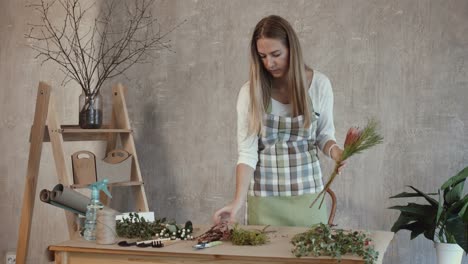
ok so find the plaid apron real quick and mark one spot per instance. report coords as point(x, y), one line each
point(288, 174)
point(288, 163)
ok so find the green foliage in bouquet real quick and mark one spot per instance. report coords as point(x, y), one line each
point(322, 240)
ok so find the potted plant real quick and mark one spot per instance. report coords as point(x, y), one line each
point(443, 219)
point(90, 49)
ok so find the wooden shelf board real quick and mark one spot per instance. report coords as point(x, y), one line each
point(75, 133)
point(115, 184)
point(105, 129)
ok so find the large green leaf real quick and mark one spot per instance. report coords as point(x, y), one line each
point(432, 201)
point(418, 218)
point(440, 208)
point(402, 221)
point(459, 230)
point(416, 229)
point(464, 213)
point(460, 177)
point(453, 195)
point(417, 224)
point(422, 210)
point(430, 231)
point(406, 194)
point(457, 207)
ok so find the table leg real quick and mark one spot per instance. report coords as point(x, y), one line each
point(61, 257)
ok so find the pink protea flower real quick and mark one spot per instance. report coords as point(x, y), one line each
point(353, 135)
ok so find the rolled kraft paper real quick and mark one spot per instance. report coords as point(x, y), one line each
point(45, 196)
point(69, 198)
point(65, 207)
point(72, 199)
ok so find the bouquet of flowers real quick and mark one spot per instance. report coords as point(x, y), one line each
point(357, 140)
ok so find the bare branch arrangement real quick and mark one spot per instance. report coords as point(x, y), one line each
point(89, 52)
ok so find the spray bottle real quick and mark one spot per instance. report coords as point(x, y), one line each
point(93, 207)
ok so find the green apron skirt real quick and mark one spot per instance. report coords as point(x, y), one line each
point(285, 210)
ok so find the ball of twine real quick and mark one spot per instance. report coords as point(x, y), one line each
point(105, 227)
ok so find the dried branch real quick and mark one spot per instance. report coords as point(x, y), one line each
point(91, 51)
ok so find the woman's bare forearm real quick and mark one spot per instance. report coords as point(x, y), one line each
point(244, 174)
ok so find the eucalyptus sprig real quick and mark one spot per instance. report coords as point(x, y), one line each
point(135, 226)
point(322, 240)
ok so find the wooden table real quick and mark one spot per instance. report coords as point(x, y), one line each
point(278, 250)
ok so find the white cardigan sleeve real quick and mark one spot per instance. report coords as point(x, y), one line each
point(247, 145)
point(322, 99)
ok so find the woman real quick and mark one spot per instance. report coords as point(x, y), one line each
point(284, 113)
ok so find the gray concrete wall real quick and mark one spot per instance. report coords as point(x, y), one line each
point(403, 62)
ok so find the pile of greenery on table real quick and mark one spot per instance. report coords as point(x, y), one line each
point(135, 226)
point(322, 240)
point(237, 235)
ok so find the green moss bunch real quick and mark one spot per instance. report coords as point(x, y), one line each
point(322, 240)
point(242, 237)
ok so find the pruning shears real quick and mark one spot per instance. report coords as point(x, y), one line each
point(207, 245)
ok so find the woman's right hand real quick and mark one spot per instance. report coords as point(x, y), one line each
point(244, 174)
point(227, 213)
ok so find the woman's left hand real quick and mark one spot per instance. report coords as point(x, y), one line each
point(336, 155)
point(341, 167)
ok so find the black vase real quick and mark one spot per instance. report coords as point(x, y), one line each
point(90, 111)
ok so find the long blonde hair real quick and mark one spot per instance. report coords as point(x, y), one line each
point(276, 27)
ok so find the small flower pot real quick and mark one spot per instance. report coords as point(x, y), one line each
point(448, 253)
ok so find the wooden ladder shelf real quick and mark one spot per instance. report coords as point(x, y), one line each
point(47, 128)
